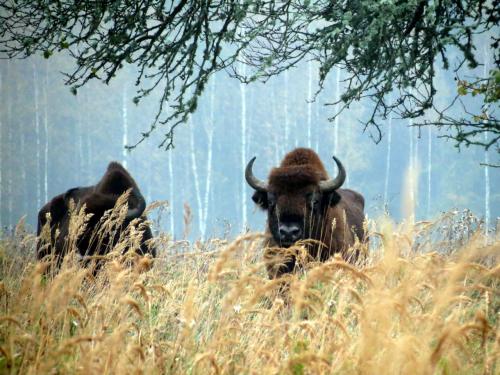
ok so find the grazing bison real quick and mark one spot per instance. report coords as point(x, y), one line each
point(302, 202)
point(97, 200)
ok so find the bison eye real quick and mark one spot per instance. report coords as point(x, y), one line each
point(313, 199)
point(271, 199)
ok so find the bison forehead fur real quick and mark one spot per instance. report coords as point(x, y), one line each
point(294, 177)
point(303, 203)
point(97, 199)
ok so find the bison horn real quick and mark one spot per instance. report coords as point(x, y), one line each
point(252, 180)
point(331, 185)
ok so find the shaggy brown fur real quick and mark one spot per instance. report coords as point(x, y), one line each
point(97, 200)
point(335, 219)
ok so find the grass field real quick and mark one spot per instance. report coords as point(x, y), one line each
point(418, 304)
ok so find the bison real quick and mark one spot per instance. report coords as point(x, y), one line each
point(96, 199)
point(303, 203)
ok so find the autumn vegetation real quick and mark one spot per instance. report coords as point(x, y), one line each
point(420, 302)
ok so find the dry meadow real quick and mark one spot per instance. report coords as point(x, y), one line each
point(424, 300)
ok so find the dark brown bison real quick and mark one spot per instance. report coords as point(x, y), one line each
point(97, 200)
point(302, 203)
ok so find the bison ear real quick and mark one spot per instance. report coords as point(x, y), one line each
point(260, 198)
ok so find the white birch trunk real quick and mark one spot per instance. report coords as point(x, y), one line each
point(8, 124)
point(309, 102)
point(37, 135)
point(46, 132)
point(336, 122)
point(171, 192)
point(388, 163)
point(150, 181)
point(416, 168)
point(88, 141)
point(22, 156)
point(1, 153)
point(210, 134)
point(79, 129)
point(429, 170)
point(274, 131)
point(194, 169)
point(208, 180)
point(9, 178)
point(317, 122)
point(243, 123)
point(411, 174)
point(285, 108)
point(487, 213)
point(125, 126)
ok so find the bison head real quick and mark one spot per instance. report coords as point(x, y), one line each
point(297, 195)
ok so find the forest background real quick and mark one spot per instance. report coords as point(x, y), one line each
point(52, 141)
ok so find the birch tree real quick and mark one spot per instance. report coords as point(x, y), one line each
point(1, 150)
point(124, 125)
point(171, 193)
point(243, 124)
point(388, 163)
point(37, 134)
point(46, 133)
point(196, 178)
point(209, 129)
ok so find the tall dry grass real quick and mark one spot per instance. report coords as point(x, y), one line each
point(409, 308)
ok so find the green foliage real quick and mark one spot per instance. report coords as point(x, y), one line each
point(385, 47)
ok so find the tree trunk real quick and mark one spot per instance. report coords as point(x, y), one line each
point(309, 102)
point(273, 130)
point(88, 141)
point(487, 213)
point(1, 152)
point(243, 124)
point(150, 181)
point(336, 122)
point(194, 169)
point(8, 147)
point(79, 131)
point(10, 159)
point(210, 133)
point(37, 135)
point(411, 174)
point(8, 124)
point(171, 192)
point(416, 169)
point(429, 170)
point(388, 164)
point(21, 167)
point(285, 108)
point(317, 121)
point(46, 132)
point(125, 126)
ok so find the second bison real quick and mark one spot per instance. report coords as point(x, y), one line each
point(92, 238)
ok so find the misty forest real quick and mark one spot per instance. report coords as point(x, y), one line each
point(53, 140)
point(250, 187)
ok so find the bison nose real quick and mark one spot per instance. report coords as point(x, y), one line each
point(289, 232)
